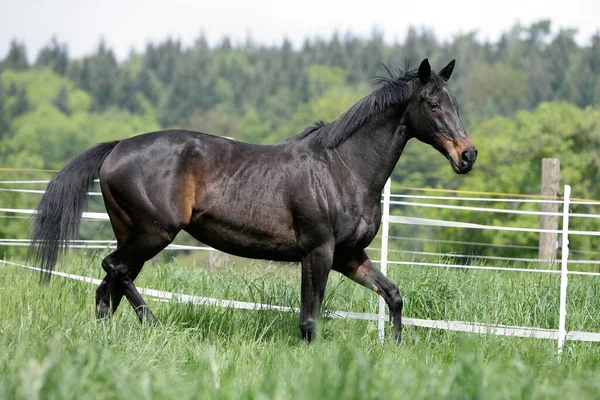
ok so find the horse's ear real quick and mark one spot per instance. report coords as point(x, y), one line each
point(446, 72)
point(424, 71)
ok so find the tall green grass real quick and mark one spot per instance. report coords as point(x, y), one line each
point(52, 347)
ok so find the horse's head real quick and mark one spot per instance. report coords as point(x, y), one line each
point(432, 117)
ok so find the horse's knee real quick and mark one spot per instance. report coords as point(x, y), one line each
point(114, 270)
point(108, 267)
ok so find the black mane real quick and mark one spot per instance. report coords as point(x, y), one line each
point(393, 90)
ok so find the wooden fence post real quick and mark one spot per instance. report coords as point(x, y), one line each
point(550, 180)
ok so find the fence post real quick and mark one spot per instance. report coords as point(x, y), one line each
point(385, 229)
point(216, 259)
point(562, 332)
point(550, 180)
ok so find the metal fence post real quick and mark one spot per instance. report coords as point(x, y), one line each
point(562, 332)
point(385, 229)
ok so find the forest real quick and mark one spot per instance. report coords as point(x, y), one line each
point(532, 94)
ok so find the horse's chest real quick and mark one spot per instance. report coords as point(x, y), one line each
point(360, 227)
point(367, 229)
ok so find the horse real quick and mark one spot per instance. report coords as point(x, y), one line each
point(314, 198)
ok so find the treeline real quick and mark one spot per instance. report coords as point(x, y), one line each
point(528, 65)
point(532, 94)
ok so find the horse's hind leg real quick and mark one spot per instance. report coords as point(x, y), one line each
point(124, 264)
point(110, 291)
point(134, 247)
point(122, 273)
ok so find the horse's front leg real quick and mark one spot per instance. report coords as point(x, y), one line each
point(361, 270)
point(315, 270)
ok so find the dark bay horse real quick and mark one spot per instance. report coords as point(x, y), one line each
point(313, 198)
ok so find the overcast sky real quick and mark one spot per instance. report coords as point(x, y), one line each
point(126, 24)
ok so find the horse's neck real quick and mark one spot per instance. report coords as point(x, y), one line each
point(373, 151)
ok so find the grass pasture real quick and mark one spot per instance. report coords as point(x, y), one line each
point(52, 348)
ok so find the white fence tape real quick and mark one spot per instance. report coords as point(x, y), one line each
point(484, 199)
point(463, 243)
point(457, 326)
point(85, 215)
point(478, 209)
point(586, 203)
point(452, 224)
point(39, 191)
point(97, 244)
point(23, 182)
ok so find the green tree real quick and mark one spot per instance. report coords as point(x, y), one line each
point(16, 57)
point(149, 85)
point(61, 101)
point(494, 89)
point(593, 57)
point(185, 95)
point(373, 55)
point(54, 56)
point(163, 59)
point(216, 121)
point(125, 92)
point(586, 93)
point(103, 77)
point(562, 58)
point(4, 117)
point(20, 102)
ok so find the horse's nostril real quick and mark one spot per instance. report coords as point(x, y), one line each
point(468, 157)
point(465, 157)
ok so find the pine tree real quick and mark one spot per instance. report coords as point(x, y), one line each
point(61, 101)
point(55, 56)
point(16, 57)
point(21, 103)
point(4, 119)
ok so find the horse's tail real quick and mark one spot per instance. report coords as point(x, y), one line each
point(58, 214)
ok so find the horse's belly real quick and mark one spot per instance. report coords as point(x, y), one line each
point(252, 239)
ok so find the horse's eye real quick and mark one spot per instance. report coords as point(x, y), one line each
point(433, 105)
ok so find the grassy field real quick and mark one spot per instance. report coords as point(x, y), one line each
point(52, 348)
